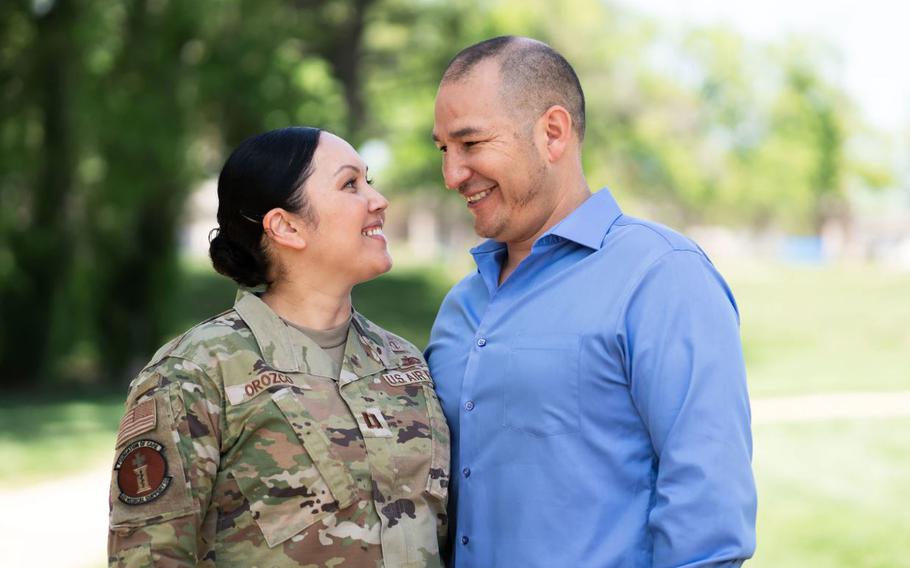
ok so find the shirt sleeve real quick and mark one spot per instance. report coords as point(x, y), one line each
point(167, 459)
point(687, 378)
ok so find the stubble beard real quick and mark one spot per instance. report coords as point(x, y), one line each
point(499, 224)
point(495, 227)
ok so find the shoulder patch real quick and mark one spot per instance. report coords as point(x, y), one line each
point(141, 472)
point(138, 420)
point(148, 478)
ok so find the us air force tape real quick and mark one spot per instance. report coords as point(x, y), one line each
point(409, 377)
point(142, 472)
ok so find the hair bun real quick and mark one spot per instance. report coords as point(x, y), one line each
point(234, 261)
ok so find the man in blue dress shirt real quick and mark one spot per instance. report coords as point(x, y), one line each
point(591, 369)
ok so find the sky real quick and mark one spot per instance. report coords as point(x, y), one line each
point(872, 36)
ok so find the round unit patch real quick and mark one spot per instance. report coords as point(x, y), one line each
point(142, 472)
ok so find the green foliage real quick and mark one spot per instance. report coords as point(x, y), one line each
point(110, 111)
point(404, 301)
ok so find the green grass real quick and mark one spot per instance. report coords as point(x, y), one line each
point(833, 494)
point(831, 329)
point(42, 440)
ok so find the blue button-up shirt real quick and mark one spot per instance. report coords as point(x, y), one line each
point(597, 402)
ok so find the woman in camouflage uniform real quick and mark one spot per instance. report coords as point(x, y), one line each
point(289, 430)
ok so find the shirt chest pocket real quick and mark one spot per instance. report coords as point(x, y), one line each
point(297, 481)
point(540, 387)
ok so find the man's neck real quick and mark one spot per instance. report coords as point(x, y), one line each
point(520, 250)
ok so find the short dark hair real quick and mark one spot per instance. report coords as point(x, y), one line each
point(533, 75)
point(264, 172)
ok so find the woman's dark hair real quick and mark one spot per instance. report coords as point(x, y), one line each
point(264, 172)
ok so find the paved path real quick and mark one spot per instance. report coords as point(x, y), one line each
point(815, 407)
point(59, 524)
point(63, 523)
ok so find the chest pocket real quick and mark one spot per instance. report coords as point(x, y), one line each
point(296, 485)
point(540, 389)
point(419, 443)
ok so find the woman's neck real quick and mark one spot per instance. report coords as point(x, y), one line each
point(309, 306)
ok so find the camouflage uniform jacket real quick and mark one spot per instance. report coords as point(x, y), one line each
point(238, 448)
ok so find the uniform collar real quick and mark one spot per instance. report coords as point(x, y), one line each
point(287, 349)
point(366, 352)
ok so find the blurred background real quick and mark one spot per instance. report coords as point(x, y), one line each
point(777, 134)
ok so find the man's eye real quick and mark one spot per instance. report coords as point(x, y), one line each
point(443, 149)
point(470, 143)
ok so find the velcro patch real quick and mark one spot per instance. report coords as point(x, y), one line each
point(138, 420)
point(245, 391)
point(141, 472)
point(409, 377)
point(411, 361)
point(373, 424)
point(395, 345)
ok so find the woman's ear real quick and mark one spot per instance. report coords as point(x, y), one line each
point(282, 228)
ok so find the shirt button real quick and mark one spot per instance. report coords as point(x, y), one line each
point(469, 406)
point(481, 342)
point(466, 471)
point(465, 540)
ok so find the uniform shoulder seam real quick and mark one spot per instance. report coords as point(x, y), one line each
point(170, 349)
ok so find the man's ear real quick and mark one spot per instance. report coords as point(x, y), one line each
point(556, 125)
point(282, 228)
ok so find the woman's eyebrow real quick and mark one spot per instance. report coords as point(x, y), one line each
point(347, 166)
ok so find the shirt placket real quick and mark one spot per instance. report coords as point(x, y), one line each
point(477, 412)
point(358, 370)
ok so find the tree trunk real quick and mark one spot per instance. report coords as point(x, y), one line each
point(42, 245)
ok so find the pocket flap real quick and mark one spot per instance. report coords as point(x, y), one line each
point(333, 470)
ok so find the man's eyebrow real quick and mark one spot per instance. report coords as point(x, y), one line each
point(461, 133)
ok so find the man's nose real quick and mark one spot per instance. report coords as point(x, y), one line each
point(454, 171)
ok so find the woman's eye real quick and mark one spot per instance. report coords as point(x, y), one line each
point(369, 181)
point(350, 184)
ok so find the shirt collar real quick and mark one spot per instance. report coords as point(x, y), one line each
point(287, 349)
point(587, 225)
point(270, 332)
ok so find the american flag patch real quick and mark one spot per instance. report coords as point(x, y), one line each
point(141, 418)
